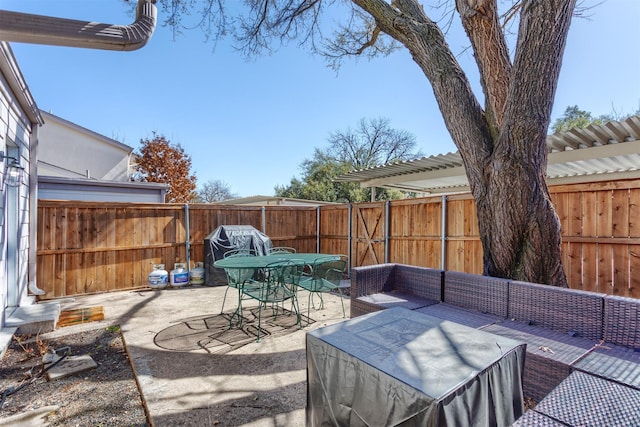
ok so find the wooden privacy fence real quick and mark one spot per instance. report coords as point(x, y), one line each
point(89, 247)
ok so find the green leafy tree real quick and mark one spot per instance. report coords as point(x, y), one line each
point(161, 161)
point(372, 143)
point(214, 191)
point(501, 139)
point(574, 117)
point(317, 181)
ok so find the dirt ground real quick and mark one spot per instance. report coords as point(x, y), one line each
point(104, 396)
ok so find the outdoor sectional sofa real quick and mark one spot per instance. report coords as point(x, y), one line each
point(565, 330)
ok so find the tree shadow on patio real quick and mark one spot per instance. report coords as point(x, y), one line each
point(213, 334)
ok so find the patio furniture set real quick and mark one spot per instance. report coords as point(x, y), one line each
point(582, 359)
point(276, 277)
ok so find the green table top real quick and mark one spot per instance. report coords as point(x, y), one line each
point(262, 261)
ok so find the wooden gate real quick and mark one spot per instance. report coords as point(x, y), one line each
point(368, 230)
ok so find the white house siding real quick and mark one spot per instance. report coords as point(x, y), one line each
point(69, 150)
point(18, 115)
point(14, 230)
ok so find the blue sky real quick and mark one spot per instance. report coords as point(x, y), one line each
point(251, 124)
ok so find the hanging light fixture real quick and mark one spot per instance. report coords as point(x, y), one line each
point(13, 174)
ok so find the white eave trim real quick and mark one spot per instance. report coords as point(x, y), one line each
point(15, 79)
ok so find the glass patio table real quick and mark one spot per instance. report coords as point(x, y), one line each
point(261, 261)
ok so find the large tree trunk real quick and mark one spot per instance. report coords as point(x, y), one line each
point(503, 146)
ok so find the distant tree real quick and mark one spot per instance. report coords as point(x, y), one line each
point(214, 191)
point(317, 181)
point(372, 143)
point(161, 161)
point(574, 117)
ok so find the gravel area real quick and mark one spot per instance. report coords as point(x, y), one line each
point(104, 396)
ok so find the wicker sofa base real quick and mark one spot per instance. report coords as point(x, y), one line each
point(550, 355)
point(613, 362)
point(586, 400)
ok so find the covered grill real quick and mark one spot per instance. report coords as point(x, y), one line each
point(226, 238)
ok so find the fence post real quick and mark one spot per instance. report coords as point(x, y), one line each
point(318, 229)
point(188, 237)
point(443, 237)
point(349, 237)
point(264, 220)
point(386, 231)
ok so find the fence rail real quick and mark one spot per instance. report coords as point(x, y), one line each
point(89, 247)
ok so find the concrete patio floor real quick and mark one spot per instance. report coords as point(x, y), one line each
point(195, 371)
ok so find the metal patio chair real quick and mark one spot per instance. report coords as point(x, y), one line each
point(325, 276)
point(279, 285)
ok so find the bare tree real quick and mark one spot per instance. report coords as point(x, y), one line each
point(502, 143)
point(214, 191)
point(372, 143)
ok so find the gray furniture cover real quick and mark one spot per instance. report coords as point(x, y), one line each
point(397, 367)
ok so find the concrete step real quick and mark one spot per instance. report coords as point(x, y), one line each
point(34, 319)
point(5, 339)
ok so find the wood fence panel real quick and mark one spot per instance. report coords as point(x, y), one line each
point(589, 250)
point(463, 251)
point(621, 206)
point(573, 229)
point(292, 226)
point(634, 271)
point(202, 222)
point(634, 213)
point(621, 267)
point(562, 206)
point(72, 236)
point(604, 214)
point(473, 262)
point(334, 230)
point(415, 232)
point(633, 288)
point(605, 268)
point(455, 248)
point(575, 202)
point(60, 270)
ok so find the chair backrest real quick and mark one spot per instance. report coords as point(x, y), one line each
point(238, 276)
point(284, 274)
point(282, 249)
point(330, 269)
point(239, 252)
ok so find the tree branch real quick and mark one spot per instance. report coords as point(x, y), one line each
point(481, 21)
